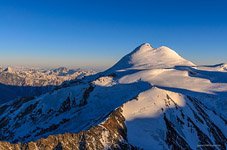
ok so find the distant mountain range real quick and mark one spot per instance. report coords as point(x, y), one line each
point(23, 82)
point(151, 99)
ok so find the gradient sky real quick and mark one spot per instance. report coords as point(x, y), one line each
point(71, 33)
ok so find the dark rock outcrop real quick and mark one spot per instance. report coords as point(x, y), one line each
point(111, 134)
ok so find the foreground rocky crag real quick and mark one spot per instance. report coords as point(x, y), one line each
point(111, 134)
point(151, 98)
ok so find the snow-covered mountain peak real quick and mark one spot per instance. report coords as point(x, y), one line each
point(143, 48)
point(9, 69)
point(151, 98)
point(147, 57)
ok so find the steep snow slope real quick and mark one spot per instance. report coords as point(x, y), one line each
point(150, 98)
point(160, 118)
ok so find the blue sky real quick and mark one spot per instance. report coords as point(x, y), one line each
point(52, 33)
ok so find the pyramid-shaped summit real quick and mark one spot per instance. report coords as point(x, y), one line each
point(9, 69)
point(147, 57)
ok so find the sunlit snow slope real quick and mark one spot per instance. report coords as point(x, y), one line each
point(147, 57)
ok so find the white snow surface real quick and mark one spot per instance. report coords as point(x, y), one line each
point(147, 57)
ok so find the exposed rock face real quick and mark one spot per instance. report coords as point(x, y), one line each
point(173, 138)
point(176, 139)
point(111, 134)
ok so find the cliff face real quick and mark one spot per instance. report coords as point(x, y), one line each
point(175, 134)
point(111, 134)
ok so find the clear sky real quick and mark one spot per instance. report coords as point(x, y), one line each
point(97, 33)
